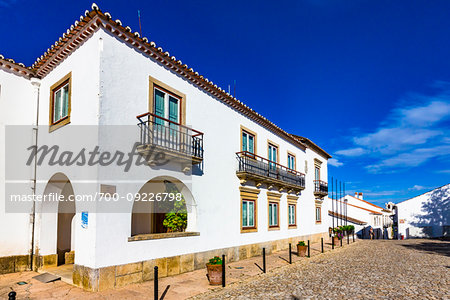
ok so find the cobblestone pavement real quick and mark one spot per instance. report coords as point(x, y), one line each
point(379, 269)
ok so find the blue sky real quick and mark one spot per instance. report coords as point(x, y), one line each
point(369, 81)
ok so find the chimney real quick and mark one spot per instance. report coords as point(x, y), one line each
point(361, 196)
point(356, 195)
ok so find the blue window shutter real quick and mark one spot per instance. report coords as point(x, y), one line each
point(159, 103)
point(173, 109)
point(250, 144)
point(65, 101)
point(244, 141)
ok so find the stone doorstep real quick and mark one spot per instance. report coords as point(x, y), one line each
point(121, 275)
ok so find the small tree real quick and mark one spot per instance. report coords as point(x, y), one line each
point(176, 219)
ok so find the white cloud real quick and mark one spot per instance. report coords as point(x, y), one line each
point(410, 136)
point(335, 163)
point(351, 152)
point(392, 140)
point(410, 159)
point(417, 188)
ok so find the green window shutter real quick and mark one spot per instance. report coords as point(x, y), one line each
point(270, 214)
point(173, 109)
point(250, 144)
point(57, 106)
point(251, 209)
point(244, 213)
point(65, 101)
point(159, 106)
point(244, 141)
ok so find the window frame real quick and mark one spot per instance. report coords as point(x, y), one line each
point(277, 206)
point(249, 194)
point(318, 208)
point(154, 83)
point(276, 146)
point(273, 198)
point(292, 200)
point(290, 225)
point(60, 84)
point(290, 154)
point(248, 132)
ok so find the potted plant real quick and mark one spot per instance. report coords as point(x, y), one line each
point(214, 268)
point(301, 248)
point(338, 235)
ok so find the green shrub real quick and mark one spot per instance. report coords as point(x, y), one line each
point(215, 261)
point(301, 243)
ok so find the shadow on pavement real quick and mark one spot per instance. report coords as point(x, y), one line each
point(442, 248)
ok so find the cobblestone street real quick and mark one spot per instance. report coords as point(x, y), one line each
point(410, 269)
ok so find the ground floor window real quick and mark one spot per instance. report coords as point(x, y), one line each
point(318, 214)
point(248, 213)
point(292, 209)
point(273, 214)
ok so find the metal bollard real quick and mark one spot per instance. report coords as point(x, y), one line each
point(12, 295)
point(264, 260)
point(348, 239)
point(309, 254)
point(332, 242)
point(321, 244)
point(155, 282)
point(353, 237)
point(341, 242)
point(223, 270)
point(290, 254)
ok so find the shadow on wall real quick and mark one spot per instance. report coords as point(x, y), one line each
point(435, 216)
point(442, 248)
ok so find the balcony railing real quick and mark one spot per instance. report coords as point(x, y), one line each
point(171, 137)
point(261, 169)
point(320, 188)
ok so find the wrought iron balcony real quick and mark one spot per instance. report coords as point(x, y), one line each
point(176, 141)
point(320, 188)
point(262, 170)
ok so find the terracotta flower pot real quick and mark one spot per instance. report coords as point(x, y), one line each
point(301, 250)
point(336, 241)
point(214, 274)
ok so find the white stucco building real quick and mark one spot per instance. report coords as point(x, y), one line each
point(424, 216)
point(247, 183)
point(362, 214)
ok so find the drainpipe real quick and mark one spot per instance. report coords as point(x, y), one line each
point(36, 84)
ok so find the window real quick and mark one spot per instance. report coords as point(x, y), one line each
point(60, 101)
point(318, 214)
point(248, 213)
point(273, 214)
point(291, 214)
point(167, 106)
point(248, 142)
point(272, 155)
point(317, 173)
point(166, 102)
point(291, 161)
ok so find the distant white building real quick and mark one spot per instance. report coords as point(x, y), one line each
point(361, 214)
point(427, 215)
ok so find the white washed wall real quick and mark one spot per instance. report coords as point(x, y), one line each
point(17, 107)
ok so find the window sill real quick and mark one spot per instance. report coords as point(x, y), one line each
point(159, 236)
point(292, 226)
point(245, 230)
point(274, 228)
point(59, 124)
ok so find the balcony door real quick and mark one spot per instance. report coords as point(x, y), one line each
point(167, 128)
point(273, 156)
